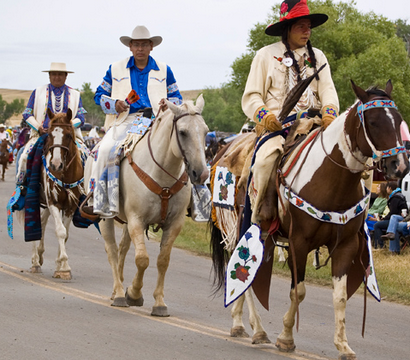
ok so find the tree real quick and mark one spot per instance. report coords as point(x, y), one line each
point(367, 48)
point(8, 110)
point(95, 115)
point(403, 31)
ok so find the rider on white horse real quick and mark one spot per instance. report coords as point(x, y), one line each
point(150, 79)
point(275, 70)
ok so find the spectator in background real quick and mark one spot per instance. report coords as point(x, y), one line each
point(379, 205)
point(396, 203)
point(397, 226)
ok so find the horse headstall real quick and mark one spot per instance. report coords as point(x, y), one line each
point(361, 108)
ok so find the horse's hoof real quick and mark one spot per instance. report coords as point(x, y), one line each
point(285, 345)
point(260, 338)
point(120, 302)
point(133, 302)
point(347, 357)
point(63, 275)
point(161, 311)
point(36, 270)
point(239, 331)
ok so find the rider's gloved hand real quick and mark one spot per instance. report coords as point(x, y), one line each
point(265, 120)
point(329, 113)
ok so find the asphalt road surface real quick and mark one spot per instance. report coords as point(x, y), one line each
point(46, 318)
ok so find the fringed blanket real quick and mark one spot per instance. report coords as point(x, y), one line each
point(223, 205)
point(32, 217)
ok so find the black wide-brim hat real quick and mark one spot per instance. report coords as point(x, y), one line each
point(290, 12)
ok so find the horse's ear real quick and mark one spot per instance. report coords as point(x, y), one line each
point(360, 93)
point(69, 114)
point(200, 102)
point(174, 108)
point(389, 88)
point(50, 113)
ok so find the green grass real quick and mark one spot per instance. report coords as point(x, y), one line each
point(392, 271)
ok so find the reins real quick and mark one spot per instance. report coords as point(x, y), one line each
point(174, 126)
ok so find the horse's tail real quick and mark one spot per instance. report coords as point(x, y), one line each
point(220, 256)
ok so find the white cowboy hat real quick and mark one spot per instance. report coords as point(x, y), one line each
point(58, 67)
point(2, 126)
point(141, 33)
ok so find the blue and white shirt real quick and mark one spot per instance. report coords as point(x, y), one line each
point(139, 83)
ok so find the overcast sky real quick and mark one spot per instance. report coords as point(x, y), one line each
point(201, 39)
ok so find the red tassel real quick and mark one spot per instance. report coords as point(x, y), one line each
point(132, 97)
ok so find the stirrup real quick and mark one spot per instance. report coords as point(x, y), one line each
point(83, 209)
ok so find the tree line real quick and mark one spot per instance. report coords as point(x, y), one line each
point(364, 47)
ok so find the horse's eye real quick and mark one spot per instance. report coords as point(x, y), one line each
point(182, 133)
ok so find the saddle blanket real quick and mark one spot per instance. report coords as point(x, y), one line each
point(106, 191)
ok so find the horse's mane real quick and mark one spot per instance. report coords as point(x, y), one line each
point(375, 90)
point(190, 107)
point(187, 105)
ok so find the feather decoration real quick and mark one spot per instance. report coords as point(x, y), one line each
point(132, 97)
point(295, 94)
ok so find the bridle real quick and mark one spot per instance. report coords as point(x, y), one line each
point(377, 154)
point(66, 166)
point(376, 103)
point(174, 127)
point(66, 148)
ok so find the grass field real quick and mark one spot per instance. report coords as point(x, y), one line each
point(392, 271)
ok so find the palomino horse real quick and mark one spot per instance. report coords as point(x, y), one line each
point(155, 189)
point(322, 201)
point(62, 185)
point(4, 156)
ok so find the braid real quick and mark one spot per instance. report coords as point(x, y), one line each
point(289, 52)
point(312, 57)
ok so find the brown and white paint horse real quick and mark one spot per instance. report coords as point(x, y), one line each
point(4, 156)
point(62, 185)
point(327, 175)
point(171, 154)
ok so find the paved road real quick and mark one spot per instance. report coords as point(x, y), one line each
point(46, 318)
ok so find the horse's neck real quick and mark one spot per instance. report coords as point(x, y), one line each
point(313, 157)
point(160, 141)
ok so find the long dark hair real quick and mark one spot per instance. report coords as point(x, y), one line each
point(383, 191)
point(289, 52)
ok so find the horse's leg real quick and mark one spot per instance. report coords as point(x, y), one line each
point(122, 252)
point(238, 328)
point(108, 233)
point(285, 340)
point(168, 237)
point(259, 333)
point(136, 232)
point(341, 260)
point(38, 246)
point(63, 270)
point(339, 305)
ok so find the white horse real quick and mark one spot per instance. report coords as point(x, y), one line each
point(169, 157)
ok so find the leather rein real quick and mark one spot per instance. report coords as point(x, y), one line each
point(165, 193)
